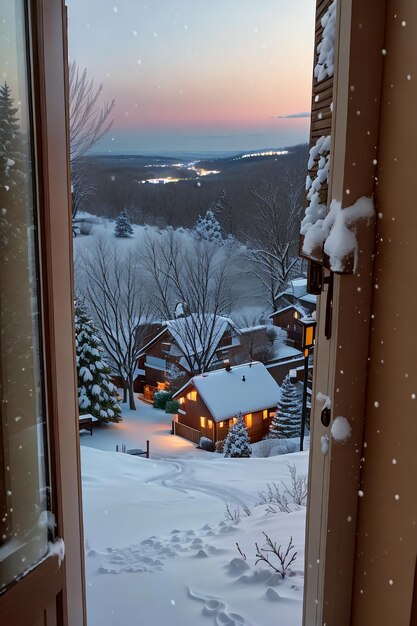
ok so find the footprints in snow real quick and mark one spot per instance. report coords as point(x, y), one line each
point(151, 554)
point(213, 607)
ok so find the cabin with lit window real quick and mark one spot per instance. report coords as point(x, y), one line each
point(175, 345)
point(288, 318)
point(209, 402)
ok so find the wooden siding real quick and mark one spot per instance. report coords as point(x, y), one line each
point(321, 114)
point(287, 321)
point(192, 411)
point(279, 371)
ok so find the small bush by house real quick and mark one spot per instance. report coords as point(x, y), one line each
point(160, 399)
point(207, 444)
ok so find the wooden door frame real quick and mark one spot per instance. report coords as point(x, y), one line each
point(341, 363)
point(54, 593)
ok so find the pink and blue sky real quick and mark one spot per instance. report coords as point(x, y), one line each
point(198, 75)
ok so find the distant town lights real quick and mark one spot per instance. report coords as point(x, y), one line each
point(261, 154)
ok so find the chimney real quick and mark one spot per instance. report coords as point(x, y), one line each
point(227, 365)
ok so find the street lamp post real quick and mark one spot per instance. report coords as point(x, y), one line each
point(309, 331)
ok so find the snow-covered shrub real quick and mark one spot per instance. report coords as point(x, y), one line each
point(207, 228)
point(123, 226)
point(172, 406)
point(220, 446)
point(96, 393)
point(207, 444)
point(160, 399)
point(85, 228)
point(237, 442)
point(271, 334)
point(286, 422)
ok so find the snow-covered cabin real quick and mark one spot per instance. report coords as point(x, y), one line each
point(185, 344)
point(209, 402)
point(296, 293)
point(288, 318)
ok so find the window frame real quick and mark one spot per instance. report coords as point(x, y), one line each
point(54, 592)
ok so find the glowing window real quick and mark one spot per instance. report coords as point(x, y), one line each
point(265, 414)
point(248, 420)
point(182, 400)
point(296, 315)
point(210, 423)
point(202, 422)
point(192, 395)
point(221, 424)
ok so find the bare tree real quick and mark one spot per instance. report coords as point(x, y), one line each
point(228, 213)
point(89, 122)
point(272, 249)
point(192, 290)
point(119, 301)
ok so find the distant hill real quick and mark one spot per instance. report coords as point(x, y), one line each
point(144, 184)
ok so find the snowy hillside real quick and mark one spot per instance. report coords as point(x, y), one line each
point(160, 550)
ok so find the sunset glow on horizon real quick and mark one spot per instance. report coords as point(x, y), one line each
point(190, 75)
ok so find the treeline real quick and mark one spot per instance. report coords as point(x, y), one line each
point(115, 185)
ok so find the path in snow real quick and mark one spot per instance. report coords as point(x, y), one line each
point(186, 480)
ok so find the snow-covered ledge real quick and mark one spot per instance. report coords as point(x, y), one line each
point(319, 155)
point(336, 233)
point(324, 67)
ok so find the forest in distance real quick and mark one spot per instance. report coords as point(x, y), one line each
point(185, 187)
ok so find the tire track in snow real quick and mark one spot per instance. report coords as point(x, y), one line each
point(185, 480)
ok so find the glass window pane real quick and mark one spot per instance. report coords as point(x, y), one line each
point(23, 491)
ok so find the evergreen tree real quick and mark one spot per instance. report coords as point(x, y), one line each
point(12, 187)
point(123, 226)
point(237, 442)
point(96, 393)
point(286, 422)
point(207, 228)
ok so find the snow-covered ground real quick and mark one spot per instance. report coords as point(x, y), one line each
point(159, 549)
point(136, 427)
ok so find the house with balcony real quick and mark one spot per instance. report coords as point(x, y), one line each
point(189, 344)
point(209, 402)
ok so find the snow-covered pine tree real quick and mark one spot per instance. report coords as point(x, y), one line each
point(286, 422)
point(123, 226)
point(237, 442)
point(207, 228)
point(96, 393)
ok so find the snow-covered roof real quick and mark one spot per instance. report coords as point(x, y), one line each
point(196, 333)
point(251, 329)
point(192, 336)
point(297, 287)
point(247, 388)
point(287, 308)
point(309, 297)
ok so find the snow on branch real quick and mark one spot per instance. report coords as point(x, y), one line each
point(325, 50)
point(337, 232)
